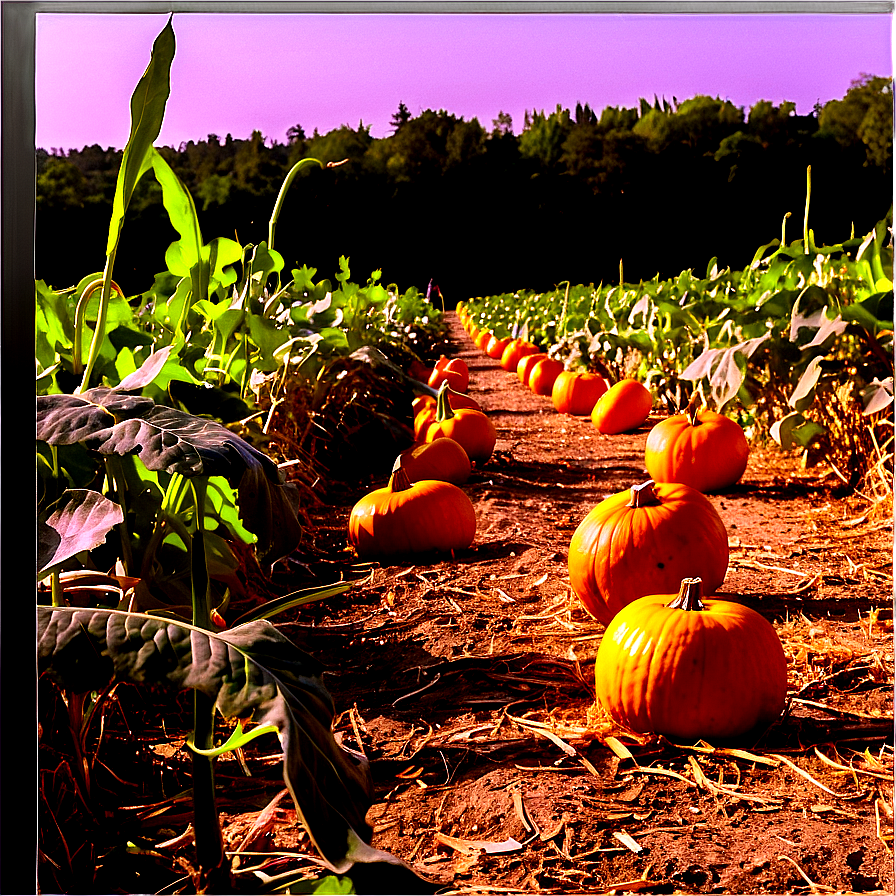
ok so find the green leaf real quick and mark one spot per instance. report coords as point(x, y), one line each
point(187, 251)
point(166, 439)
point(250, 672)
point(147, 112)
point(81, 521)
point(237, 740)
point(806, 386)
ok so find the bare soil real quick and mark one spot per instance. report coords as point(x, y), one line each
point(468, 683)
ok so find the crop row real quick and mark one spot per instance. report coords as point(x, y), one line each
point(798, 346)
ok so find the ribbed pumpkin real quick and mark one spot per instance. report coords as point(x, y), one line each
point(425, 406)
point(700, 448)
point(453, 371)
point(472, 428)
point(525, 364)
point(690, 668)
point(543, 374)
point(516, 349)
point(623, 407)
point(443, 459)
point(411, 518)
point(645, 541)
point(577, 392)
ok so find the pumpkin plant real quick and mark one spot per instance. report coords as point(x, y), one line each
point(472, 428)
point(691, 668)
point(577, 392)
point(700, 448)
point(408, 517)
point(645, 541)
point(623, 407)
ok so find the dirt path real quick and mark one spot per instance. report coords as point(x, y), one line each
point(468, 684)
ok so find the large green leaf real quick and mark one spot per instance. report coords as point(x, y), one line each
point(80, 522)
point(251, 672)
point(166, 439)
point(147, 112)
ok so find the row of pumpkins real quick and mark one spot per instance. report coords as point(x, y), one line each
point(671, 661)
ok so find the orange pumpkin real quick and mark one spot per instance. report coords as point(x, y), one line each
point(454, 372)
point(691, 669)
point(472, 428)
point(410, 518)
point(525, 365)
point(623, 407)
point(645, 541)
point(496, 346)
point(543, 374)
point(483, 337)
point(703, 449)
point(516, 349)
point(576, 393)
point(443, 459)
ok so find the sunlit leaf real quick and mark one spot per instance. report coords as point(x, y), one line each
point(81, 521)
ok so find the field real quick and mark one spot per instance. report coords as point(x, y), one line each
point(238, 693)
point(468, 684)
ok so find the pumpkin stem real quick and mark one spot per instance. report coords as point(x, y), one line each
point(444, 411)
point(399, 481)
point(692, 409)
point(644, 495)
point(689, 595)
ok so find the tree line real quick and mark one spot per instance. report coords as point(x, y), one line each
point(658, 188)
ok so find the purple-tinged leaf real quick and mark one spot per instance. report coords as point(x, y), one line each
point(80, 522)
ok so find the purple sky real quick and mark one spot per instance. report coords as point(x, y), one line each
point(235, 73)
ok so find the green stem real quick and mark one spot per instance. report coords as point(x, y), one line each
point(100, 332)
point(278, 205)
point(210, 856)
point(806, 247)
point(115, 476)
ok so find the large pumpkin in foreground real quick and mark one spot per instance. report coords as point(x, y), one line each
point(690, 668)
point(645, 541)
point(411, 518)
point(700, 448)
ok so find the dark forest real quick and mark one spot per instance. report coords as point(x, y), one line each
point(659, 188)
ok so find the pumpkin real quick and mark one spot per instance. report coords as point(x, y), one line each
point(483, 337)
point(496, 345)
point(443, 459)
point(623, 407)
point(543, 374)
point(516, 349)
point(525, 364)
point(703, 449)
point(424, 408)
point(411, 517)
point(453, 371)
point(472, 428)
point(690, 668)
point(576, 393)
point(645, 541)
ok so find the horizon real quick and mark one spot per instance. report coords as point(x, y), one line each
point(487, 64)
